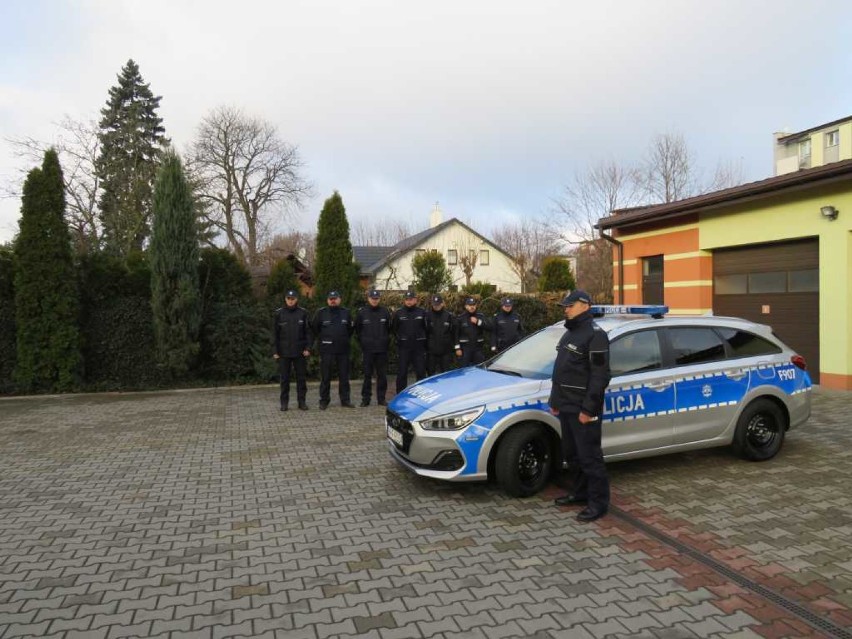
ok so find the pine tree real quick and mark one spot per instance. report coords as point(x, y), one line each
point(174, 257)
point(46, 295)
point(132, 142)
point(556, 275)
point(335, 266)
point(431, 274)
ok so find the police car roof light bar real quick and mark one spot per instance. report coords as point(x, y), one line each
point(654, 310)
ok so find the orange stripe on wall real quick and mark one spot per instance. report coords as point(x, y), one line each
point(677, 242)
point(689, 297)
point(835, 381)
point(688, 269)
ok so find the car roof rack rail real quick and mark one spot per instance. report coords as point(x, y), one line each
point(654, 310)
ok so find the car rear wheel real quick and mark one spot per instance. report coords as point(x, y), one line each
point(524, 460)
point(760, 431)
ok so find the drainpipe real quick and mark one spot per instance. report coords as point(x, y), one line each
point(620, 248)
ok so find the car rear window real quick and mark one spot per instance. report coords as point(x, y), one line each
point(696, 345)
point(745, 344)
point(635, 352)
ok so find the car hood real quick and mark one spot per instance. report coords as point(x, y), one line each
point(459, 390)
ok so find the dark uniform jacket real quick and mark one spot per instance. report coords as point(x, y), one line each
point(333, 327)
point(372, 328)
point(470, 333)
point(409, 326)
point(292, 331)
point(507, 329)
point(440, 331)
point(581, 372)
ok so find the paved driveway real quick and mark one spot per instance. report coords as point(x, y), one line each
point(211, 514)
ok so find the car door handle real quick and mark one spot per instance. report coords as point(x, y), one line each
point(736, 375)
point(659, 386)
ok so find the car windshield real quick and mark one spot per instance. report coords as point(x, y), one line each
point(532, 357)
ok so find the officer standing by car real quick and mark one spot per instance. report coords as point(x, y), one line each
point(471, 334)
point(580, 377)
point(332, 325)
point(372, 330)
point(409, 327)
point(441, 337)
point(508, 328)
point(292, 337)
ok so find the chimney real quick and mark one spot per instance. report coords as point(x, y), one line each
point(435, 217)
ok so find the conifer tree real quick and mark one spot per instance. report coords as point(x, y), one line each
point(46, 295)
point(556, 275)
point(174, 257)
point(335, 268)
point(132, 142)
point(282, 278)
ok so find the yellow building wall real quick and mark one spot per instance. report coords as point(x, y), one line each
point(817, 149)
point(845, 131)
point(798, 216)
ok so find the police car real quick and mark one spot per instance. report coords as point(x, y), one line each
point(678, 383)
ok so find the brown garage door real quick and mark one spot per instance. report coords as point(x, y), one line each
point(775, 284)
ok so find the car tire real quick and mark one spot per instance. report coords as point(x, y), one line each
point(524, 460)
point(760, 431)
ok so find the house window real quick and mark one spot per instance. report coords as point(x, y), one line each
point(421, 251)
point(832, 138)
point(452, 257)
point(652, 280)
point(484, 257)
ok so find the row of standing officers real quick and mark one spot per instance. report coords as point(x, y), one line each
point(426, 342)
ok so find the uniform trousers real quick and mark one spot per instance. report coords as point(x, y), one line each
point(581, 448)
point(327, 360)
point(471, 354)
point(413, 356)
point(378, 363)
point(438, 362)
point(300, 366)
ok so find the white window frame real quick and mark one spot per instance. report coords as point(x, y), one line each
point(832, 138)
point(452, 257)
point(484, 257)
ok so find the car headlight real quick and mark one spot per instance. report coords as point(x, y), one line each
point(453, 421)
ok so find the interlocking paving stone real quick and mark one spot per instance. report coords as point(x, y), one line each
point(209, 513)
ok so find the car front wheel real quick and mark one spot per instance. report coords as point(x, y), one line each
point(760, 431)
point(524, 460)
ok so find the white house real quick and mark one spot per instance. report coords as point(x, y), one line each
point(389, 267)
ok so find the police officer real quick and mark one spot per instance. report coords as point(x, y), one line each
point(332, 325)
point(292, 337)
point(580, 377)
point(440, 337)
point(372, 330)
point(471, 326)
point(409, 327)
point(507, 326)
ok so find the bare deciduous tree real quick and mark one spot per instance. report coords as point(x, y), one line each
point(78, 146)
point(728, 174)
point(298, 243)
point(248, 177)
point(379, 232)
point(527, 242)
point(670, 172)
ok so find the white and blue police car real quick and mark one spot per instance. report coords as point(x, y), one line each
point(678, 383)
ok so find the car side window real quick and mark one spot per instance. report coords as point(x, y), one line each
point(635, 352)
point(745, 344)
point(695, 345)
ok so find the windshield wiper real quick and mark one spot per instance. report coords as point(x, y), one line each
point(505, 371)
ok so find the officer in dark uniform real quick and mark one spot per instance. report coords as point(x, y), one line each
point(507, 327)
point(580, 377)
point(333, 327)
point(372, 330)
point(409, 327)
point(292, 337)
point(440, 337)
point(471, 326)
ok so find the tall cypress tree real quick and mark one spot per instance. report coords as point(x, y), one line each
point(46, 295)
point(335, 268)
point(174, 256)
point(132, 142)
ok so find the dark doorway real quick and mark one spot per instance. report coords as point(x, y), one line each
point(652, 279)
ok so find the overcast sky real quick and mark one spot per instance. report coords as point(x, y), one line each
point(488, 107)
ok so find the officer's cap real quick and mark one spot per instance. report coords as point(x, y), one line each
point(410, 295)
point(374, 294)
point(437, 299)
point(506, 301)
point(576, 296)
point(291, 293)
point(470, 301)
point(333, 294)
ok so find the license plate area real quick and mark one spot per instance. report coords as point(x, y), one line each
point(399, 431)
point(396, 437)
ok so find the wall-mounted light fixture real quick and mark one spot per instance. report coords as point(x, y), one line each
point(829, 212)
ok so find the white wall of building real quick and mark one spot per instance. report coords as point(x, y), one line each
point(397, 274)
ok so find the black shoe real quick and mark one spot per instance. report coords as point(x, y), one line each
point(382, 402)
point(364, 403)
point(347, 404)
point(283, 408)
point(590, 514)
point(303, 406)
point(570, 500)
point(323, 405)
